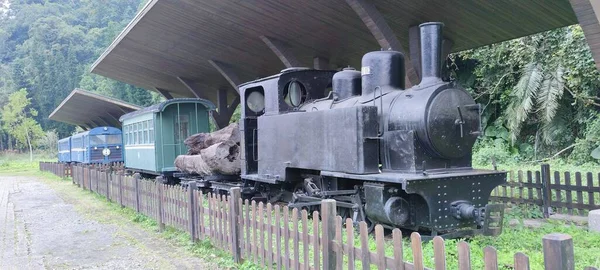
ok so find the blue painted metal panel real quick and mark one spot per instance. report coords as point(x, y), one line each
point(64, 150)
point(98, 145)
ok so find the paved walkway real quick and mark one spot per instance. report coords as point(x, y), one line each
point(41, 228)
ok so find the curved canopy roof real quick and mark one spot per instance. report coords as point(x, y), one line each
point(186, 47)
point(89, 110)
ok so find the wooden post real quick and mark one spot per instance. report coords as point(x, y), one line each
point(546, 192)
point(90, 180)
point(558, 252)
point(78, 182)
point(236, 196)
point(191, 216)
point(161, 224)
point(328, 213)
point(137, 177)
point(121, 190)
point(108, 177)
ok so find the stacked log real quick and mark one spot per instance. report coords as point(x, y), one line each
point(212, 153)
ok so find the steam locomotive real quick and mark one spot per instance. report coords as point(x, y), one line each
point(389, 155)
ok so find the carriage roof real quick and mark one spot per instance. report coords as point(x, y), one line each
point(161, 107)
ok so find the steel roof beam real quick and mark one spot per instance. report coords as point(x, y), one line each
point(384, 34)
point(188, 84)
point(227, 72)
point(282, 51)
point(95, 123)
point(106, 123)
point(164, 93)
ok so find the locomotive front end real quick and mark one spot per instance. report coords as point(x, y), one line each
point(429, 133)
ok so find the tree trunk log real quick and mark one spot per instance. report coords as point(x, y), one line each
point(197, 142)
point(220, 158)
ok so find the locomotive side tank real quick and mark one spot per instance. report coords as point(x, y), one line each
point(389, 155)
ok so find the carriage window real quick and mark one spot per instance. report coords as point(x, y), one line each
point(151, 130)
point(181, 128)
point(105, 139)
point(125, 134)
point(145, 132)
point(135, 134)
point(138, 133)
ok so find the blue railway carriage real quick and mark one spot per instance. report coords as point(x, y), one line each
point(154, 136)
point(98, 145)
point(64, 150)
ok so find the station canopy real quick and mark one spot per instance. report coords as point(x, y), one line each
point(89, 110)
point(195, 48)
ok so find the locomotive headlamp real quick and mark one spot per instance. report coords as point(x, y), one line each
point(256, 101)
point(295, 94)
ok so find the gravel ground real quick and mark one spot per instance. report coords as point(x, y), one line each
point(52, 228)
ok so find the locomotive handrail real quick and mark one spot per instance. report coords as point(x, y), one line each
point(379, 133)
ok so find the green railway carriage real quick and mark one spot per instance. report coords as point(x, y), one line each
point(154, 136)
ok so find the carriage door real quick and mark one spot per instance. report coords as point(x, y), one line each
point(182, 132)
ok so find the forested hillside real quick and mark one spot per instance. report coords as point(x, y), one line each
point(539, 93)
point(540, 97)
point(48, 46)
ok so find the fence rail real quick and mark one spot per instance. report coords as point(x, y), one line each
point(275, 236)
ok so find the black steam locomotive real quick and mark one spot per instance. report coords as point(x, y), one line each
point(388, 155)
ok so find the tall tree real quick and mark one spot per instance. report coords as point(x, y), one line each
point(17, 118)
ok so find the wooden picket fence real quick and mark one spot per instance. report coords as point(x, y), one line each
point(60, 169)
point(276, 237)
point(551, 191)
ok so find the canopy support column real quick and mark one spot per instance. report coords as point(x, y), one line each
point(222, 117)
point(225, 110)
point(321, 63)
point(386, 38)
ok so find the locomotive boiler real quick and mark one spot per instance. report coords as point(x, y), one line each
point(389, 155)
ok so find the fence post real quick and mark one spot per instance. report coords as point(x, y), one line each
point(191, 207)
point(121, 190)
point(234, 200)
point(558, 252)
point(108, 176)
point(137, 177)
point(78, 181)
point(546, 191)
point(90, 179)
point(328, 213)
point(161, 224)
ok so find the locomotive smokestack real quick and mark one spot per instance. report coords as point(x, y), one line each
point(431, 51)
